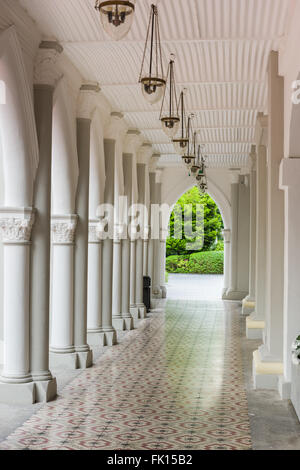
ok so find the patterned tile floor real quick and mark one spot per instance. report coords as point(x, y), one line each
point(175, 383)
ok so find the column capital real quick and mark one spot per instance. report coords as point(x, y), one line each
point(86, 103)
point(63, 228)
point(158, 175)
point(133, 140)
point(116, 128)
point(153, 162)
point(145, 153)
point(234, 175)
point(16, 224)
point(95, 231)
point(46, 71)
point(227, 235)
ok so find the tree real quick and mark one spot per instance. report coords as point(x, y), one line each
point(213, 223)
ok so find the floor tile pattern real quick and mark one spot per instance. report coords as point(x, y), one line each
point(174, 383)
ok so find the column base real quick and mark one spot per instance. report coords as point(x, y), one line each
point(265, 374)
point(45, 390)
point(284, 388)
point(103, 337)
point(128, 321)
point(84, 359)
point(134, 312)
point(248, 306)
point(254, 327)
point(63, 361)
point(118, 323)
point(17, 394)
point(163, 292)
point(142, 311)
point(234, 295)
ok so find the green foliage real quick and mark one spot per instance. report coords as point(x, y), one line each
point(210, 262)
point(219, 246)
point(213, 224)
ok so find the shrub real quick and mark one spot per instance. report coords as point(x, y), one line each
point(207, 262)
point(219, 246)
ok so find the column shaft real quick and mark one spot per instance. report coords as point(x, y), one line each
point(94, 316)
point(40, 253)
point(81, 244)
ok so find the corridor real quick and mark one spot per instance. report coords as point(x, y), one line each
point(180, 381)
point(185, 390)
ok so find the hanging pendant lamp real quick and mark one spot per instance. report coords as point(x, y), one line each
point(153, 81)
point(189, 157)
point(169, 112)
point(182, 142)
point(116, 17)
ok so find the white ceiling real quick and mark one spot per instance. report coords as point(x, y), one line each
point(221, 49)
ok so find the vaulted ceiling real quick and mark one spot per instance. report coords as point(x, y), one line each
point(221, 49)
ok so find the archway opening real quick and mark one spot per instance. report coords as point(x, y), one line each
point(195, 245)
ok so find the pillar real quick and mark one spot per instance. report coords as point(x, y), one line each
point(267, 361)
point(249, 301)
point(227, 238)
point(94, 302)
point(151, 240)
point(240, 216)
point(289, 182)
point(45, 81)
point(255, 323)
point(86, 105)
point(157, 293)
point(141, 176)
point(16, 383)
point(62, 350)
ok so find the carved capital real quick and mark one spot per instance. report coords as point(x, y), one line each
point(145, 153)
point(95, 231)
point(46, 71)
point(16, 225)
point(63, 229)
point(87, 102)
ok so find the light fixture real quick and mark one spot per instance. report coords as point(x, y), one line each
point(169, 117)
point(116, 17)
point(189, 157)
point(198, 167)
point(153, 83)
point(182, 142)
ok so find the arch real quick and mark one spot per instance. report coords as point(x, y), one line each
point(185, 183)
point(64, 151)
point(18, 139)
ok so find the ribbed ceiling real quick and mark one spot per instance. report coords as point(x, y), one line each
point(221, 48)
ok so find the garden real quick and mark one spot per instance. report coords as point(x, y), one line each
point(204, 252)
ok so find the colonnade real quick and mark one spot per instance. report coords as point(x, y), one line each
point(72, 278)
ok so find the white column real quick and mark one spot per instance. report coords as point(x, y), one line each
point(289, 182)
point(117, 318)
point(249, 301)
point(16, 385)
point(45, 80)
point(269, 356)
point(163, 237)
point(141, 174)
point(94, 303)
point(255, 322)
point(86, 106)
point(227, 238)
point(151, 240)
point(230, 294)
point(62, 351)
